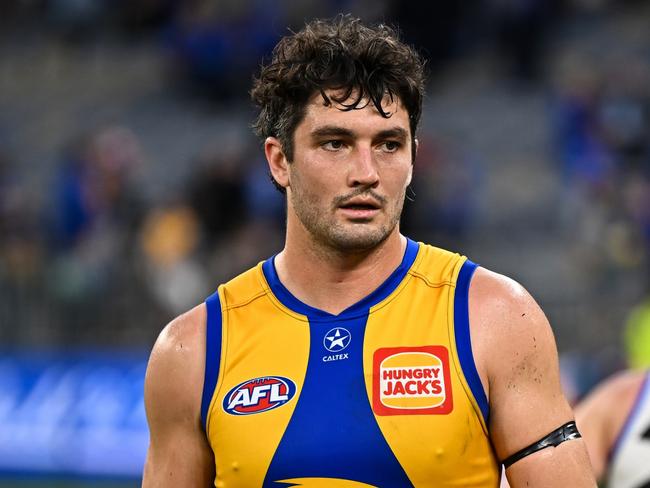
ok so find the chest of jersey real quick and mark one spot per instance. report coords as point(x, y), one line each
point(376, 396)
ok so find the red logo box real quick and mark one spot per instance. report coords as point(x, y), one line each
point(411, 381)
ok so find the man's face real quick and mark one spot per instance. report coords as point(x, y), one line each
point(349, 174)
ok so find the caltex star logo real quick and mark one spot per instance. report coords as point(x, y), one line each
point(337, 339)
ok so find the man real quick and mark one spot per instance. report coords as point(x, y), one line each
point(356, 357)
point(615, 421)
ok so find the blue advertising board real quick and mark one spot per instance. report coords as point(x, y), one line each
point(78, 414)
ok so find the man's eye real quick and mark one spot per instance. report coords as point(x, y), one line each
point(391, 146)
point(334, 145)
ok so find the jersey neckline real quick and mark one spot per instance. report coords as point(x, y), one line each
point(361, 307)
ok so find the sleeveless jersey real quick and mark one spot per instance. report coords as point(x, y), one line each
point(384, 394)
point(630, 457)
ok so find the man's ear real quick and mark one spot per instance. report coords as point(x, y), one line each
point(278, 164)
point(415, 152)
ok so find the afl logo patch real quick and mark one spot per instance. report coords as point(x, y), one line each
point(411, 381)
point(259, 395)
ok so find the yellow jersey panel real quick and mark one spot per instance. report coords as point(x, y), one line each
point(418, 392)
point(384, 394)
point(253, 328)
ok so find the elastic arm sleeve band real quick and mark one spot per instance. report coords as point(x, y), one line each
point(565, 433)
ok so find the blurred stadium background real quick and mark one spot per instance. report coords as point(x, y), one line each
point(131, 185)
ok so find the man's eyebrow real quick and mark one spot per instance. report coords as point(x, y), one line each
point(395, 132)
point(331, 130)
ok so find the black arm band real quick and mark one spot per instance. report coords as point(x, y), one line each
point(565, 433)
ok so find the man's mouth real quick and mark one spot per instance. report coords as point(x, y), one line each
point(360, 208)
point(361, 203)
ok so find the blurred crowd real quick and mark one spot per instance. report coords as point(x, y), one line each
point(602, 132)
point(90, 258)
point(600, 123)
point(94, 252)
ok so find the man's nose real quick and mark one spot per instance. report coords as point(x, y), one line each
point(363, 168)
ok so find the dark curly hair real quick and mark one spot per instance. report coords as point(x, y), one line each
point(365, 63)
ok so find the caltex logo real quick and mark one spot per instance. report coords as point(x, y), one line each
point(337, 339)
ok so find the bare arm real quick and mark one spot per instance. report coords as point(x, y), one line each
point(179, 454)
point(517, 360)
point(602, 414)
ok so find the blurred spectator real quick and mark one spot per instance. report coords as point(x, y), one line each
point(96, 211)
point(217, 191)
point(71, 206)
point(21, 254)
point(623, 110)
point(169, 239)
point(94, 186)
point(587, 159)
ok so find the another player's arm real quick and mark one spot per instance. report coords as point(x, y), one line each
point(517, 360)
point(602, 414)
point(178, 454)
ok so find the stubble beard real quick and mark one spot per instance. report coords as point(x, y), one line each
point(342, 237)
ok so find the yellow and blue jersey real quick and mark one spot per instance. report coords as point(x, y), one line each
point(384, 394)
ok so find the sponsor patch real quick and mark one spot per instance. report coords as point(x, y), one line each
point(259, 395)
point(337, 339)
point(411, 381)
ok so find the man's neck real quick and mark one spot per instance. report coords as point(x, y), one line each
point(332, 281)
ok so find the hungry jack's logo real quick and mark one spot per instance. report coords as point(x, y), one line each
point(411, 381)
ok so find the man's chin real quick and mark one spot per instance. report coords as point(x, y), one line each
point(358, 240)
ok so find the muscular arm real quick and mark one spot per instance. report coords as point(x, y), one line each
point(602, 414)
point(517, 360)
point(178, 454)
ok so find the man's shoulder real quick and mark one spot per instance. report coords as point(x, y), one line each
point(183, 335)
point(175, 370)
point(492, 289)
point(246, 285)
point(504, 308)
point(435, 264)
point(510, 333)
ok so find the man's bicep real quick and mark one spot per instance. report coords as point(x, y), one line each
point(561, 466)
point(178, 458)
point(526, 398)
point(179, 454)
point(517, 351)
point(529, 406)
